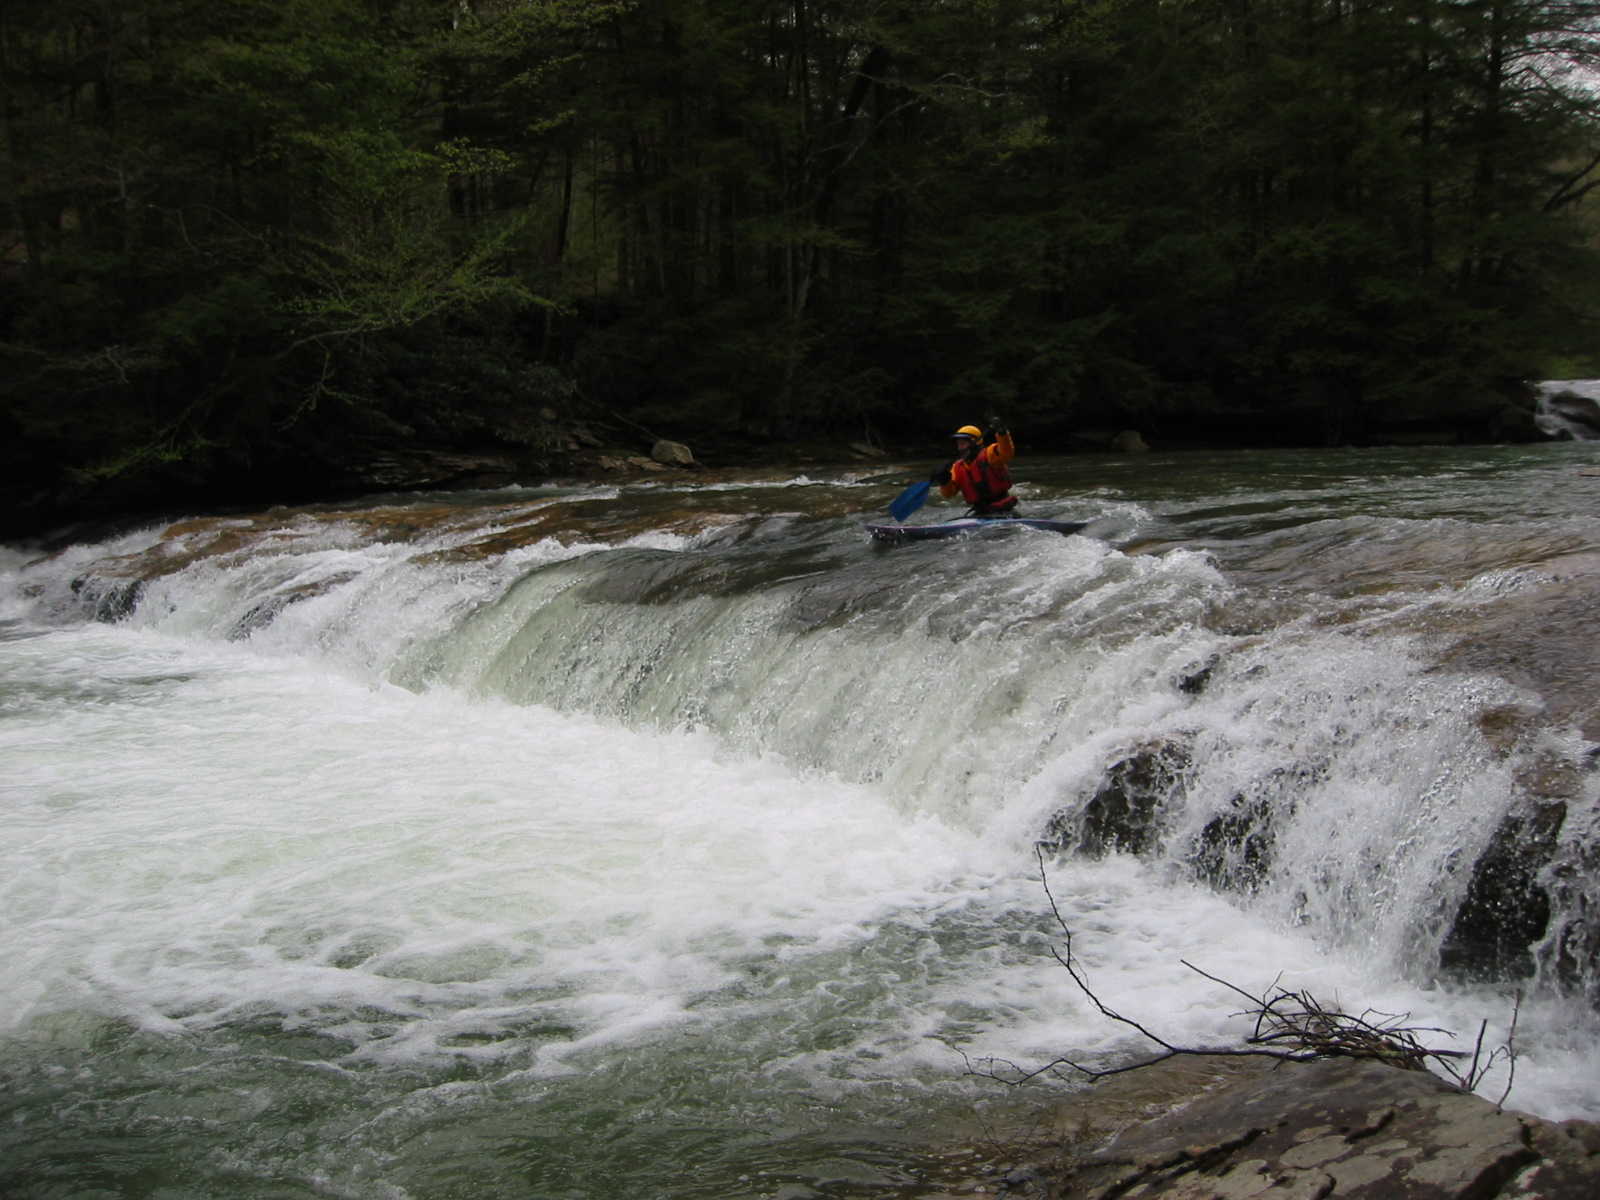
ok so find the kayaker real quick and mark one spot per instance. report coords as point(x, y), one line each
point(979, 472)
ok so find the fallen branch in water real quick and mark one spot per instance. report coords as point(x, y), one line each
point(1290, 1026)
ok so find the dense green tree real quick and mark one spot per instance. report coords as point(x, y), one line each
point(223, 211)
point(253, 241)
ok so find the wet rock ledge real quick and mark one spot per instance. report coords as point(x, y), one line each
point(1332, 1128)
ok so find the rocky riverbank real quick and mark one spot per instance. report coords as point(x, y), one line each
point(1332, 1128)
point(1243, 1129)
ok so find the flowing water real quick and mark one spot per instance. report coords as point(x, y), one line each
point(674, 840)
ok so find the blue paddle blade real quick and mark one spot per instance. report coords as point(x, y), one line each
point(908, 501)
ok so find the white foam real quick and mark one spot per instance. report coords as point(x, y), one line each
point(198, 834)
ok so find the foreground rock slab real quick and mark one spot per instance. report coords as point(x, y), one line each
point(1337, 1128)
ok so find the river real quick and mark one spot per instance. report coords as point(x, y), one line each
point(674, 840)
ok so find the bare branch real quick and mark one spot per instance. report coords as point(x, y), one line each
point(1289, 1026)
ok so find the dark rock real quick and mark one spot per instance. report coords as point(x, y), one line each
point(1506, 909)
point(1197, 679)
point(1124, 812)
point(109, 600)
point(1234, 850)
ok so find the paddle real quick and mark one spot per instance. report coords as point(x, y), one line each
point(908, 501)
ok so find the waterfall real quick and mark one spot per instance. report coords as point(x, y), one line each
point(1321, 775)
point(1570, 409)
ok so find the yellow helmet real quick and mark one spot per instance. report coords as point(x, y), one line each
point(971, 431)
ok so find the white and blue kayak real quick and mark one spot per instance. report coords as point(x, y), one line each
point(969, 526)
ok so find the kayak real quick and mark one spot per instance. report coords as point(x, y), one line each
point(968, 526)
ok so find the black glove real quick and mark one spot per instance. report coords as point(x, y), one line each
point(940, 477)
point(997, 426)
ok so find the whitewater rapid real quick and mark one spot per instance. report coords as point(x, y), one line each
point(714, 846)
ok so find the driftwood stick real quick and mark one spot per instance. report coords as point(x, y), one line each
point(1289, 1026)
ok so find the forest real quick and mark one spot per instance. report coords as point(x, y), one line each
point(247, 245)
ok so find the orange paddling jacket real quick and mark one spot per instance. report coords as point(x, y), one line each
point(985, 482)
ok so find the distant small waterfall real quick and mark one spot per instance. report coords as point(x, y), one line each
point(1569, 409)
